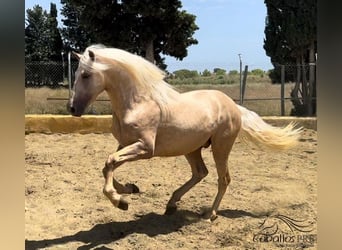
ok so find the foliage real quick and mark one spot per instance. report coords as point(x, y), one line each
point(290, 29)
point(291, 38)
point(145, 27)
point(75, 35)
point(185, 73)
point(55, 39)
point(219, 71)
point(35, 34)
point(206, 73)
point(43, 41)
point(258, 72)
point(191, 77)
point(233, 72)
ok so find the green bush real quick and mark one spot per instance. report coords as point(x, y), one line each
point(219, 71)
point(258, 72)
point(233, 72)
point(185, 73)
point(206, 73)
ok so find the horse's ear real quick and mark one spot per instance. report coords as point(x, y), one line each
point(76, 55)
point(91, 55)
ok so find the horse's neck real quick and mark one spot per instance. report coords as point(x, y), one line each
point(120, 100)
point(123, 95)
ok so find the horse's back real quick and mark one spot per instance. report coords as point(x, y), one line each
point(212, 103)
point(221, 108)
point(207, 96)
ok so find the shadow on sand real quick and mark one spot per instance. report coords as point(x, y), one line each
point(151, 224)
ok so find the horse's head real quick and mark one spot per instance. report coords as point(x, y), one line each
point(89, 83)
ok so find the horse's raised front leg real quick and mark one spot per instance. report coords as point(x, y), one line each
point(135, 151)
point(199, 171)
point(128, 188)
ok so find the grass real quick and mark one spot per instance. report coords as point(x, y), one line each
point(254, 90)
point(36, 99)
point(36, 102)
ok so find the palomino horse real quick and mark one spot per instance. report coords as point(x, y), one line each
point(150, 119)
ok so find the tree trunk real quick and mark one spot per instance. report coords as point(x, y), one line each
point(311, 77)
point(149, 54)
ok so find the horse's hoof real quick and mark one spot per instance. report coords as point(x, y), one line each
point(208, 215)
point(170, 210)
point(213, 217)
point(132, 187)
point(123, 204)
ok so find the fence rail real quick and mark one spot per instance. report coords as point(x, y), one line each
point(61, 74)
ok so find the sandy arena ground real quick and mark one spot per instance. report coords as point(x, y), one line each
point(65, 207)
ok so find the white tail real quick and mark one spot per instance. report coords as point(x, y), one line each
point(256, 130)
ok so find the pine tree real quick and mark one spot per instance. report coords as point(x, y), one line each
point(42, 37)
point(35, 34)
point(291, 38)
point(75, 36)
point(54, 42)
point(43, 44)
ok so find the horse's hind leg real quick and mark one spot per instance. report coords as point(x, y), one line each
point(221, 150)
point(199, 171)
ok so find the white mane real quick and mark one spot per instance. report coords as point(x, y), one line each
point(147, 77)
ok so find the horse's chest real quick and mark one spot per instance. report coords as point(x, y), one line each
point(128, 132)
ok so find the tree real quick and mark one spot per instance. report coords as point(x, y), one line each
point(145, 27)
point(42, 38)
point(233, 72)
point(291, 38)
point(35, 34)
point(219, 71)
point(55, 42)
point(206, 72)
point(75, 35)
point(43, 44)
point(258, 72)
point(185, 73)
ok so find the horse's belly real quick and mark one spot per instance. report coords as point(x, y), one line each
point(173, 143)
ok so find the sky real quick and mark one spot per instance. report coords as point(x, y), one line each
point(227, 28)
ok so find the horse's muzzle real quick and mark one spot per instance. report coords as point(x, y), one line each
point(72, 110)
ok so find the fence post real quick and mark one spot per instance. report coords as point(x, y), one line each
point(69, 73)
point(244, 83)
point(240, 79)
point(282, 91)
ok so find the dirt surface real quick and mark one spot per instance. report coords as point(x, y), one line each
point(66, 209)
